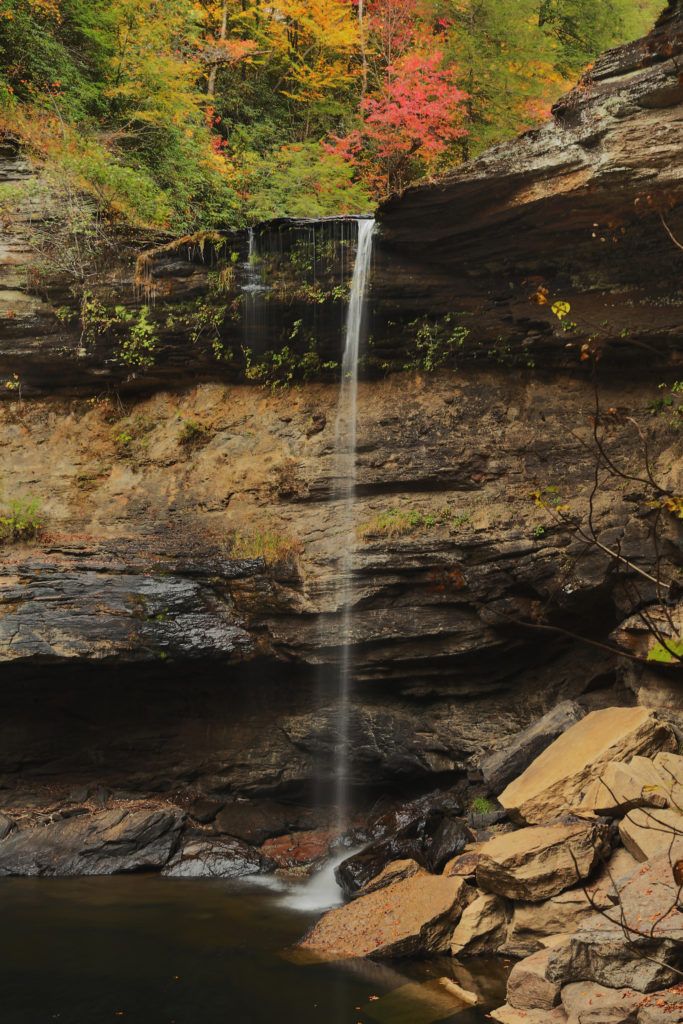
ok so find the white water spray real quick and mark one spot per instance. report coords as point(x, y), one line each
point(346, 429)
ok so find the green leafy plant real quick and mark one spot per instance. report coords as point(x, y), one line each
point(139, 347)
point(397, 522)
point(21, 521)
point(193, 434)
point(434, 343)
point(482, 805)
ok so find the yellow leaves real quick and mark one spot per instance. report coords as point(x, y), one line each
point(672, 504)
point(318, 40)
point(561, 309)
point(48, 8)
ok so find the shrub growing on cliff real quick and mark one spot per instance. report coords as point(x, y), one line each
point(21, 521)
point(273, 547)
point(397, 522)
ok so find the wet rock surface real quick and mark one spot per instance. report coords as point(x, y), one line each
point(214, 858)
point(427, 831)
point(93, 844)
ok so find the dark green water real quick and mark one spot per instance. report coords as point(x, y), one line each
point(145, 950)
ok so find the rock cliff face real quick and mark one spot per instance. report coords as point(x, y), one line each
point(148, 644)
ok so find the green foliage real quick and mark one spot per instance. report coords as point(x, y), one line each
point(280, 369)
point(268, 544)
point(396, 522)
point(482, 805)
point(670, 404)
point(434, 343)
point(669, 654)
point(21, 521)
point(301, 180)
point(193, 434)
point(138, 348)
point(181, 115)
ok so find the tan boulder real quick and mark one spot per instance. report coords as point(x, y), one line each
point(396, 871)
point(636, 943)
point(413, 917)
point(482, 928)
point(664, 1007)
point(670, 768)
point(586, 1002)
point(511, 1015)
point(648, 833)
point(536, 863)
point(623, 787)
point(528, 988)
point(557, 779)
point(465, 864)
point(607, 884)
point(540, 924)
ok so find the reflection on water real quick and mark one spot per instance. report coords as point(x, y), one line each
point(146, 950)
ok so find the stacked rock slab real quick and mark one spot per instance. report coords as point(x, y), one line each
point(556, 781)
point(414, 917)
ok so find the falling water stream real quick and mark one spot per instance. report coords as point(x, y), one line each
point(322, 890)
point(345, 446)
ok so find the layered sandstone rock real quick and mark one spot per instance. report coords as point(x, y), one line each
point(413, 917)
point(637, 943)
point(482, 929)
point(539, 862)
point(556, 780)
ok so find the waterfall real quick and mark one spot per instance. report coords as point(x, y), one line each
point(254, 290)
point(345, 447)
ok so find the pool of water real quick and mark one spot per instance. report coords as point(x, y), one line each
point(146, 950)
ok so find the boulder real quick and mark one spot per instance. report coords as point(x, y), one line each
point(299, 849)
point(510, 1015)
point(482, 928)
point(431, 840)
point(609, 881)
point(528, 988)
point(394, 872)
point(536, 863)
point(6, 826)
point(670, 768)
point(204, 811)
point(535, 925)
point(215, 858)
point(556, 780)
point(637, 943)
point(103, 843)
point(589, 1003)
point(414, 917)
point(518, 751)
point(662, 1007)
point(649, 833)
point(465, 864)
point(623, 787)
